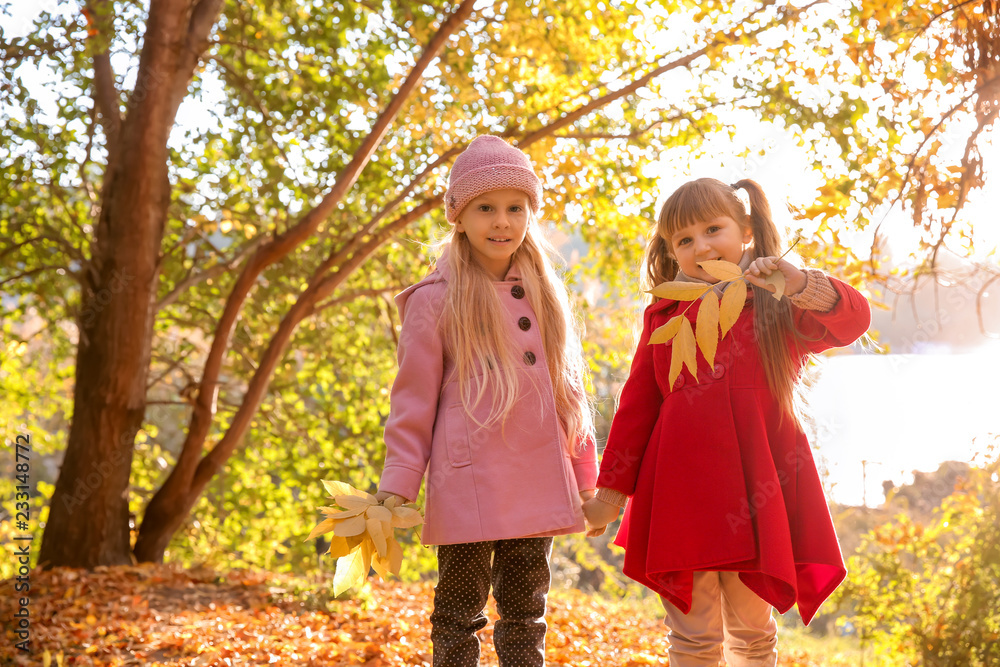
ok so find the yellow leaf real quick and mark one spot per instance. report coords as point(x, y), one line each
point(721, 269)
point(675, 367)
point(395, 556)
point(380, 565)
point(337, 513)
point(707, 327)
point(350, 502)
point(324, 526)
point(406, 517)
point(379, 512)
point(733, 301)
point(350, 527)
point(390, 502)
point(667, 331)
point(351, 571)
point(341, 488)
point(46, 658)
point(685, 345)
point(376, 532)
point(679, 290)
point(339, 546)
point(777, 279)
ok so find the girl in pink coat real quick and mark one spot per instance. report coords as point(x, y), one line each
point(725, 515)
point(488, 406)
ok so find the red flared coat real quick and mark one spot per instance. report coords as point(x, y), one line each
point(717, 479)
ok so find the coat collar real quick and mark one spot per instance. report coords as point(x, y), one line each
point(440, 273)
point(444, 270)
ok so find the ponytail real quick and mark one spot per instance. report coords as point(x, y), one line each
point(660, 265)
point(777, 338)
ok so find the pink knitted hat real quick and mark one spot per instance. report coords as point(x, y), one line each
point(490, 163)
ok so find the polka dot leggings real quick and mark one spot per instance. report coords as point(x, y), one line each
point(519, 574)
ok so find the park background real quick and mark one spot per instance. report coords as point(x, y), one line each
point(207, 207)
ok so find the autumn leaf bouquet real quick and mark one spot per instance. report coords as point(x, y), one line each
point(715, 318)
point(363, 535)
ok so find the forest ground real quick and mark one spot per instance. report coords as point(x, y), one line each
point(164, 615)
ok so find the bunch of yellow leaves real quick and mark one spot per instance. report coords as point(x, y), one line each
point(363, 534)
point(714, 319)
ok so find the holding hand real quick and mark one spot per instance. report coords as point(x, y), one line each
point(599, 514)
point(762, 267)
point(382, 495)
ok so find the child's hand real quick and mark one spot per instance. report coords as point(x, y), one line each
point(762, 267)
point(599, 514)
point(382, 495)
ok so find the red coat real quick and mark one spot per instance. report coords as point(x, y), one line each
point(717, 479)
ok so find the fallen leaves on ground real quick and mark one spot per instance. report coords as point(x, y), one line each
point(156, 615)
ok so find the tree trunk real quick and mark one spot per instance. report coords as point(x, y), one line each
point(89, 515)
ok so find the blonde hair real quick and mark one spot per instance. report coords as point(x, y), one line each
point(706, 199)
point(486, 358)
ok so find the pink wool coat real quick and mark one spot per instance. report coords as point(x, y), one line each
point(500, 482)
point(717, 479)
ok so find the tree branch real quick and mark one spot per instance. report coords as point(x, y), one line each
point(107, 97)
point(719, 40)
point(192, 473)
point(218, 269)
point(39, 269)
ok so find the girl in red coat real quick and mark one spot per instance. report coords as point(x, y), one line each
point(724, 512)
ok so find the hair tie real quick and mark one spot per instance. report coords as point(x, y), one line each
point(735, 186)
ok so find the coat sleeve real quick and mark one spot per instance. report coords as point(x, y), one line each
point(583, 454)
point(413, 402)
point(632, 426)
point(845, 323)
point(585, 464)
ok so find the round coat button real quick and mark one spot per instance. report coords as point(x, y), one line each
point(517, 292)
point(524, 323)
point(679, 382)
point(529, 358)
point(718, 371)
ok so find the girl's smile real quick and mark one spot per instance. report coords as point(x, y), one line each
point(720, 238)
point(495, 223)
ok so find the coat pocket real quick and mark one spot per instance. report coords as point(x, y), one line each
point(457, 437)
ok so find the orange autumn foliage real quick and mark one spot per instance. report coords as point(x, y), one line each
point(157, 615)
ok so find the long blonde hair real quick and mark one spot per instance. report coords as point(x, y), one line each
point(475, 335)
point(706, 199)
